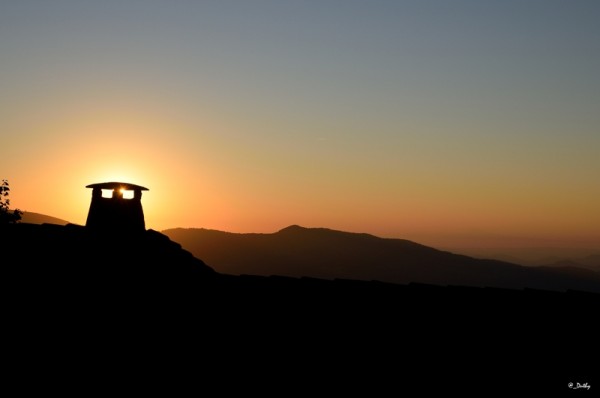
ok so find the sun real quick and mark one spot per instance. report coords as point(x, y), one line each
point(126, 194)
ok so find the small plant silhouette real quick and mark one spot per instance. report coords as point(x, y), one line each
point(6, 215)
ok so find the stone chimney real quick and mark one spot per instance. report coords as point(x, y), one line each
point(116, 214)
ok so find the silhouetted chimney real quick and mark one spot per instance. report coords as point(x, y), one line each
point(116, 214)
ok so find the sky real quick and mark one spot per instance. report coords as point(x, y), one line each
point(446, 122)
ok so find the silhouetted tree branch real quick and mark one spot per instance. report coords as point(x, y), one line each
point(6, 215)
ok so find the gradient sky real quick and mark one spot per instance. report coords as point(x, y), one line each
point(446, 122)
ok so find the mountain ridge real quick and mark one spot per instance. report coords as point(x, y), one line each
point(29, 217)
point(325, 253)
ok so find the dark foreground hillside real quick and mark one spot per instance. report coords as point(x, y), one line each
point(102, 310)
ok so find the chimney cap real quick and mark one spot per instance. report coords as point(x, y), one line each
point(118, 185)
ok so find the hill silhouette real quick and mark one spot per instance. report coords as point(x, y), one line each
point(29, 217)
point(591, 263)
point(324, 253)
point(139, 301)
point(59, 252)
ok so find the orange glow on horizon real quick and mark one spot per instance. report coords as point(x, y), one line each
point(202, 178)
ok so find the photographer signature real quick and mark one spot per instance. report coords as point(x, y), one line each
point(579, 385)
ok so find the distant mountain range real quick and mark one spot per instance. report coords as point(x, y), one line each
point(324, 253)
point(37, 218)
